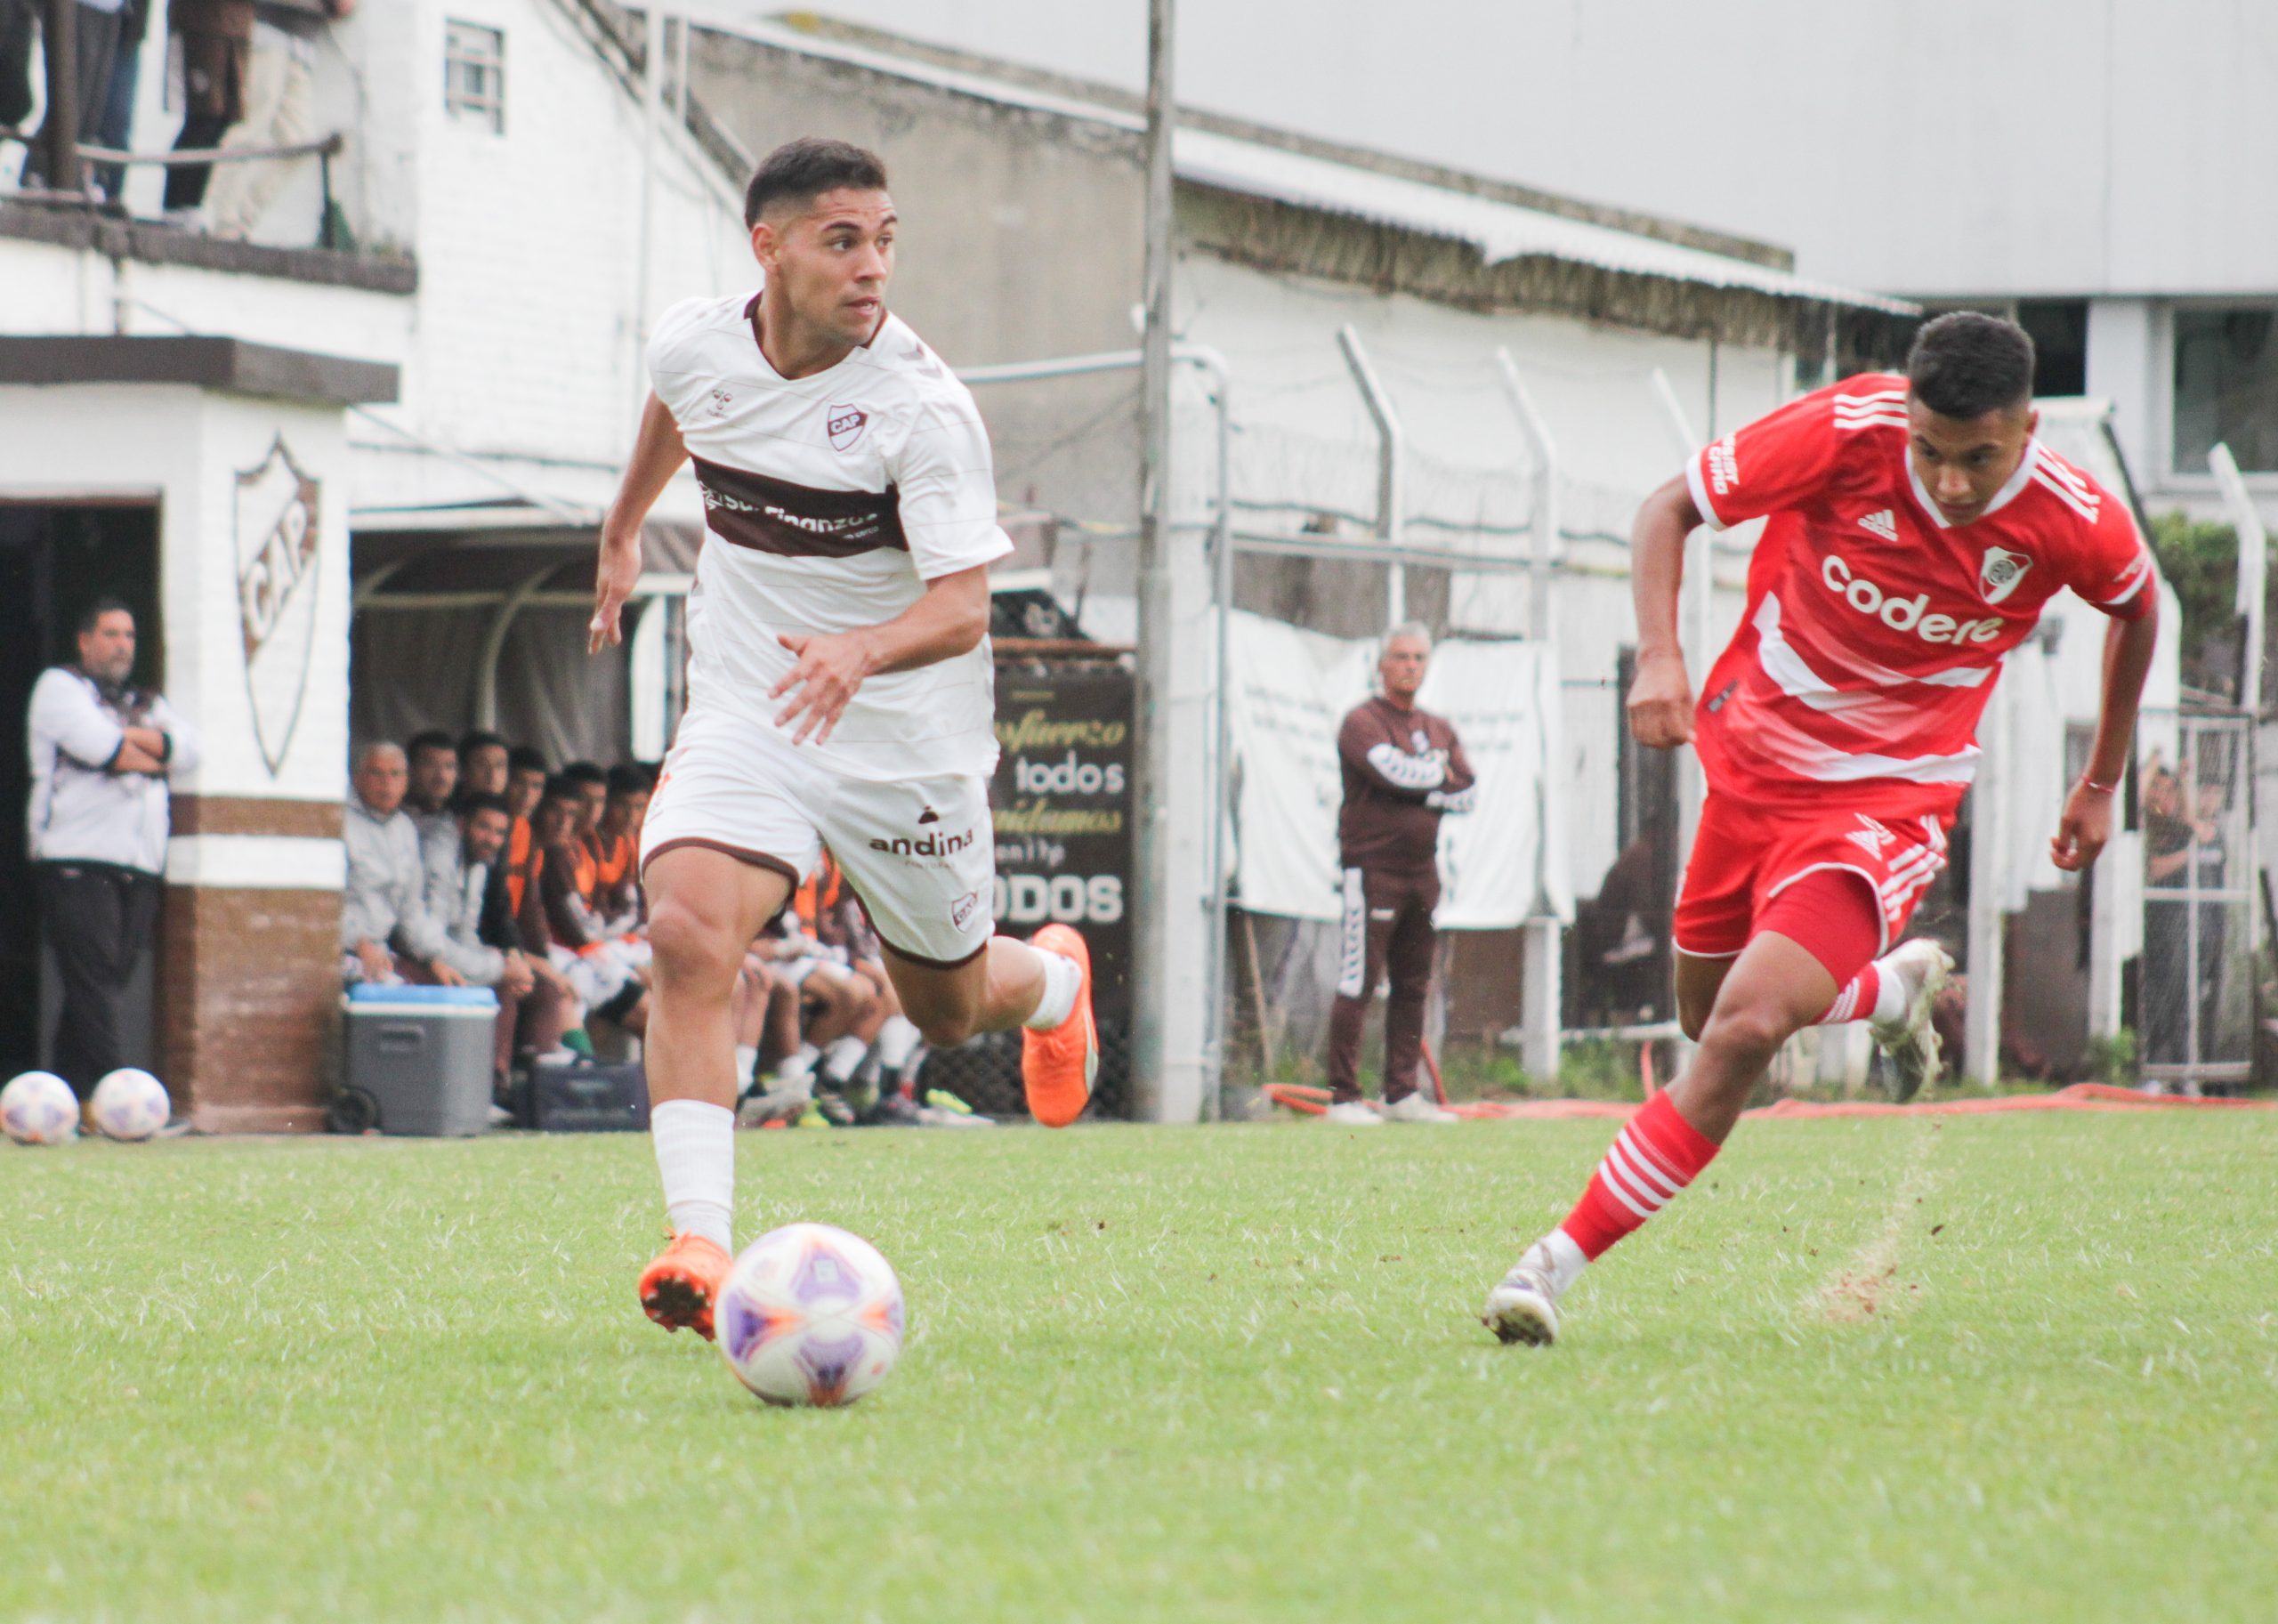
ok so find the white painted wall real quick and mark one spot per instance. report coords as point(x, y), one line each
point(184, 448)
point(528, 246)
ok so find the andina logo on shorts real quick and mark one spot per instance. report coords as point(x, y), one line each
point(1902, 614)
point(924, 846)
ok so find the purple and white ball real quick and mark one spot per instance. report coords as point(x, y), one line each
point(809, 1314)
point(130, 1103)
point(39, 1108)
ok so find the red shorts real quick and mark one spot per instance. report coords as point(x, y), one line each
point(1743, 856)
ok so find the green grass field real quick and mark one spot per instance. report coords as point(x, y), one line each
point(2017, 1367)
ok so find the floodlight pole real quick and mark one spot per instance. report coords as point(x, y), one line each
point(1155, 1093)
point(1989, 887)
point(1542, 996)
point(1390, 444)
point(652, 77)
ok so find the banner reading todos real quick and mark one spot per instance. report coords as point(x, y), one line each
point(1063, 810)
point(1290, 689)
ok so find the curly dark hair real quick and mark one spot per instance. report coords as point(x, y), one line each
point(1967, 364)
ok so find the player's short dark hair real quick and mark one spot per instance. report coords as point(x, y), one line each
point(478, 739)
point(561, 786)
point(585, 773)
point(483, 801)
point(434, 738)
point(526, 759)
point(1967, 364)
point(629, 778)
point(806, 168)
point(97, 609)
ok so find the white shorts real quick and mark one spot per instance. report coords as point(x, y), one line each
point(918, 852)
point(594, 976)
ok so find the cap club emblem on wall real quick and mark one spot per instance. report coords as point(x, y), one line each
point(277, 538)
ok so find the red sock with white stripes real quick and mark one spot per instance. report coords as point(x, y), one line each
point(1874, 994)
point(1658, 1154)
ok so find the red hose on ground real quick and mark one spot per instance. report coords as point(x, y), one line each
point(2079, 1096)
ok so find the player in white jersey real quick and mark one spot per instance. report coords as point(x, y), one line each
point(840, 690)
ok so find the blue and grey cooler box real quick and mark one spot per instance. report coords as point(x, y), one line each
point(421, 1057)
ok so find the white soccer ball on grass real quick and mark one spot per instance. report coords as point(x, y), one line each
point(130, 1103)
point(809, 1314)
point(39, 1108)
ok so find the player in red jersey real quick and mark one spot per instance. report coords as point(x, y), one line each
point(1917, 527)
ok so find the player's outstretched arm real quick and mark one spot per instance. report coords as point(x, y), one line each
point(658, 453)
point(1660, 698)
point(951, 619)
point(2086, 823)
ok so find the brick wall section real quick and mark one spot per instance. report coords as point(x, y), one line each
point(251, 982)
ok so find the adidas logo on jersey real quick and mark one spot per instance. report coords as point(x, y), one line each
point(1884, 524)
point(1902, 614)
point(1870, 836)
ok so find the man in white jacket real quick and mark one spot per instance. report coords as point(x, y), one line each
point(100, 752)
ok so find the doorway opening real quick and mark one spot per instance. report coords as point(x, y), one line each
point(56, 558)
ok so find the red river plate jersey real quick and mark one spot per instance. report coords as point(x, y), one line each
point(1874, 630)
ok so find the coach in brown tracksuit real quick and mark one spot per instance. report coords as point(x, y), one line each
point(1403, 768)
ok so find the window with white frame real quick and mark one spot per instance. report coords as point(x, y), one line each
point(2226, 385)
point(474, 75)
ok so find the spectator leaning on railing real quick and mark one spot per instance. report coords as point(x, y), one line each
point(278, 101)
point(216, 52)
point(99, 818)
point(384, 911)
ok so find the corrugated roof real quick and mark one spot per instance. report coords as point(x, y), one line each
point(1499, 231)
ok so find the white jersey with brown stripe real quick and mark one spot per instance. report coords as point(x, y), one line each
point(829, 501)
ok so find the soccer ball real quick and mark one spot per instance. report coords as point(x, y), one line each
point(810, 1315)
point(129, 1103)
point(39, 1108)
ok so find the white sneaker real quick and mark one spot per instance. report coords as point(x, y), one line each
point(1523, 1306)
point(1352, 1113)
point(1418, 1108)
point(1910, 1040)
point(785, 1099)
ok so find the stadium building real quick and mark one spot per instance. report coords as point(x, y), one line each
point(352, 486)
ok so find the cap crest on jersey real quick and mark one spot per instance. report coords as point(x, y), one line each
point(844, 424)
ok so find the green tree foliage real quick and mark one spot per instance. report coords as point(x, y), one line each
point(2201, 562)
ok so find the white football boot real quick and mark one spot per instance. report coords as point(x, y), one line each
point(1910, 1040)
point(1418, 1107)
point(1352, 1113)
point(1523, 1305)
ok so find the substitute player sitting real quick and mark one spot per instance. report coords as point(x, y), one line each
point(1916, 527)
point(840, 689)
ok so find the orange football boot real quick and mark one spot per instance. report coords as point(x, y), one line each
point(680, 1286)
point(1058, 1067)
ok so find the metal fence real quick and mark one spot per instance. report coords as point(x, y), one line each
point(2198, 977)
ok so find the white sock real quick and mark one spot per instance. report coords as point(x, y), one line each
point(1890, 992)
point(696, 1155)
point(1558, 1252)
point(896, 1039)
point(797, 1065)
point(747, 1062)
point(1063, 978)
point(839, 1060)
